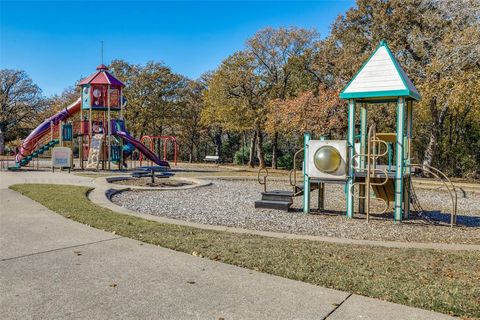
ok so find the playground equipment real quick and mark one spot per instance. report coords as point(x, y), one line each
point(374, 167)
point(101, 139)
point(152, 141)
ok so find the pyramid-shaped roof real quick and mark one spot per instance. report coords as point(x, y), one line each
point(380, 77)
point(102, 76)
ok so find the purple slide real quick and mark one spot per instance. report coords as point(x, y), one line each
point(118, 129)
point(29, 144)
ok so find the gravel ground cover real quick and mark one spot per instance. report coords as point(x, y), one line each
point(230, 203)
point(147, 182)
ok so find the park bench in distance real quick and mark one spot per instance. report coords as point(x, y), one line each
point(215, 159)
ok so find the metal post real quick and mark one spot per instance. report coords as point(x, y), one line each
point(165, 141)
point(80, 149)
point(361, 159)
point(90, 130)
point(121, 104)
point(152, 147)
point(399, 163)
point(60, 134)
point(351, 152)
point(306, 178)
point(321, 196)
point(109, 141)
point(52, 130)
point(407, 157)
point(370, 146)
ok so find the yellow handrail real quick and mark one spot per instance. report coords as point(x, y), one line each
point(373, 153)
point(294, 170)
point(264, 182)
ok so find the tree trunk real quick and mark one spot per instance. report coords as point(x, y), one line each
point(274, 150)
point(243, 146)
point(432, 147)
point(190, 150)
point(218, 143)
point(251, 158)
point(2, 141)
point(260, 152)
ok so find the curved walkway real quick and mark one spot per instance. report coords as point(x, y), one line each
point(52, 267)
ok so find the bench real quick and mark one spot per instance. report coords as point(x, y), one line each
point(215, 159)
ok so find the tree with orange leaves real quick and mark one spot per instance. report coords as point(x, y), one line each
point(320, 112)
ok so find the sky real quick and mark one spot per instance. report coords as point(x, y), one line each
point(59, 42)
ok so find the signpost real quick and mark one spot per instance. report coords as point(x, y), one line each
point(62, 158)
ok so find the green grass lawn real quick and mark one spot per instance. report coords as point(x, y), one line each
point(443, 281)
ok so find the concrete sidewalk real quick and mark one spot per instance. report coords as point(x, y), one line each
point(52, 267)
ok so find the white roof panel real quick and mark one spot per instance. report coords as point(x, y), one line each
point(380, 76)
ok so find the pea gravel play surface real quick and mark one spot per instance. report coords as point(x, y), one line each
point(147, 182)
point(230, 203)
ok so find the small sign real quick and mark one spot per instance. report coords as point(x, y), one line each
point(61, 157)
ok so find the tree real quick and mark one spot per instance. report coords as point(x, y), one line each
point(57, 103)
point(235, 100)
point(321, 113)
point(153, 94)
point(436, 42)
point(277, 53)
point(189, 119)
point(20, 100)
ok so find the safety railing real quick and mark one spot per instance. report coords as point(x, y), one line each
point(42, 140)
point(293, 172)
point(374, 147)
point(448, 185)
point(164, 140)
point(262, 179)
point(7, 161)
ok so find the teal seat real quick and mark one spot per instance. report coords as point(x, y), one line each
point(40, 151)
point(23, 162)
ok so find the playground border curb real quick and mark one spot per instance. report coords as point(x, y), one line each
point(103, 183)
point(101, 197)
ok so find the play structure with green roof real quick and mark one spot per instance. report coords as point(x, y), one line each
point(376, 168)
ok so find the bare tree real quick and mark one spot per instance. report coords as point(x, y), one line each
point(20, 100)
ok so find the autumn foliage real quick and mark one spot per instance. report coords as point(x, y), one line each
point(321, 112)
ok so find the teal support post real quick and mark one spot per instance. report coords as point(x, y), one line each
point(306, 177)
point(363, 150)
point(407, 157)
point(67, 132)
point(116, 153)
point(351, 152)
point(399, 162)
